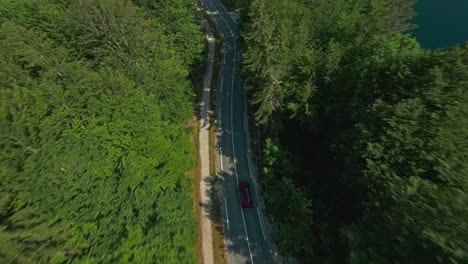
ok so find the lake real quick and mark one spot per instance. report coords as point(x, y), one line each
point(441, 23)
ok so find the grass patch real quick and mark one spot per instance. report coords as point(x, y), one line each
point(214, 107)
point(195, 174)
point(218, 231)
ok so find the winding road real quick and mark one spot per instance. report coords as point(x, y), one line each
point(246, 236)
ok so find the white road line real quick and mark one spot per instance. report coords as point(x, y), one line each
point(221, 158)
point(222, 83)
point(246, 236)
point(221, 16)
point(227, 215)
point(250, 171)
point(225, 10)
point(258, 201)
point(234, 152)
point(232, 122)
point(232, 132)
point(220, 148)
point(261, 224)
point(216, 22)
point(224, 61)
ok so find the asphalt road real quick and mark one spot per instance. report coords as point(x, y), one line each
point(246, 238)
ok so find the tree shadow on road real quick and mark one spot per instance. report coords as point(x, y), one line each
point(234, 244)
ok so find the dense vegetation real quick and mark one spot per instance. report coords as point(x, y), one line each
point(94, 148)
point(366, 132)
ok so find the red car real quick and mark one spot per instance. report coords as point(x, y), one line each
point(246, 197)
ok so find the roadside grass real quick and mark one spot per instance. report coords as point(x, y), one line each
point(218, 231)
point(195, 174)
point(197, 73)
point(193, 125)
point(217, 222)
point(219, 250)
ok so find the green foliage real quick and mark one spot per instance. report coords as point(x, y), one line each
point(294, 221)
point(376, 126)
point(177, 20)
point(294, 46)
point(93, 144)
point(414, 147)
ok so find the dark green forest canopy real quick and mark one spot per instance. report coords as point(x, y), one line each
point(94, 97)
point(369, 130)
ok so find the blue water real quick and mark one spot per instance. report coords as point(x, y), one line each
point(441, 23)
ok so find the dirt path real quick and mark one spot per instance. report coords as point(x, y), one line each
point(206, 178)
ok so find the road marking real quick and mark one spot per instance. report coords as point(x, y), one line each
point(224, 61)
point(232, 134)
point(225, 10)
point(221, 16)
point(221, 159)
point(232, 122)
point(227, 215)
point(222, 82)
point(258, 201)
point(256, 194)
point(220, 127)
point(234, 152)
point(261, 224)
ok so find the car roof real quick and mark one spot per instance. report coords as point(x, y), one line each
point(245, 194)
point(243, 184)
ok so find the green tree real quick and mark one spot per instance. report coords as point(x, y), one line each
point(414, 147)
point(375, 125)
point(93, 144)
point(294, 234)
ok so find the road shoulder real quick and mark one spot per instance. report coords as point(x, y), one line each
point(206, 178)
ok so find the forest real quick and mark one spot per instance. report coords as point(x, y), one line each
point(94, 143)
point(365, 133)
